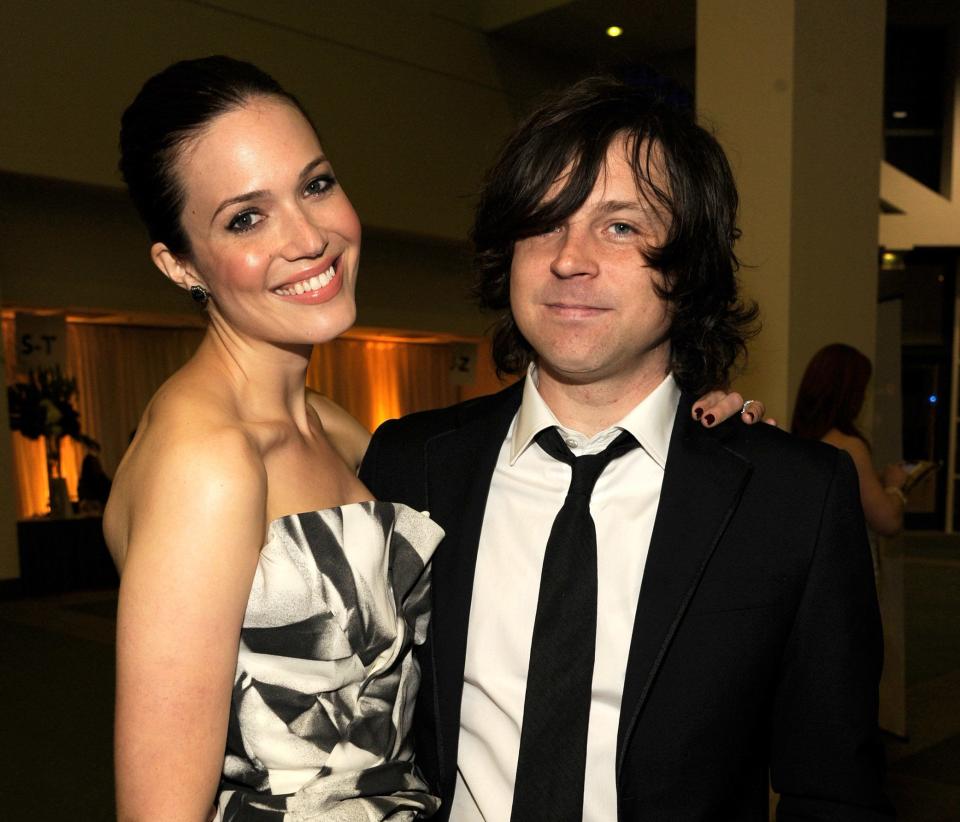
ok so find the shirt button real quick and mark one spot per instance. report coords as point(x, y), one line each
point(572, 443)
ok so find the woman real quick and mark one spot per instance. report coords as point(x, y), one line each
point(829, 400)
point(283, 637)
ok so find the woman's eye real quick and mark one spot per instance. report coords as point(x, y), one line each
point(319, 185)
point(244, 221)
point(621, 229)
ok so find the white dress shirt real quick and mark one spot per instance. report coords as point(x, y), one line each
point(526, 492)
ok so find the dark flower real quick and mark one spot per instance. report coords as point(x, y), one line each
point(42, 407)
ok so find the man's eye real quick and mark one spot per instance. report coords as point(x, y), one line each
point(244, 221)
point(319, 185)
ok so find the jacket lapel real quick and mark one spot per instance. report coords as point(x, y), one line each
point(460, 465)
point(702, 485)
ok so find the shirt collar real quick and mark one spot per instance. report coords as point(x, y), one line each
point(651, 421)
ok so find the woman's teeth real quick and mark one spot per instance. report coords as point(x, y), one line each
point(314, 283)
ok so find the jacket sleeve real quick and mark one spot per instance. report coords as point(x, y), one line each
point(368, 465)
point(826, 758)
point(392, 466)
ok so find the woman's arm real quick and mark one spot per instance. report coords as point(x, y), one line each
point(882, 508)
point(194, 534)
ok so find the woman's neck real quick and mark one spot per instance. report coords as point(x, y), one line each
point(267, 381)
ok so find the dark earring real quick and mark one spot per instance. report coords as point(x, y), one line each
point(200, 295)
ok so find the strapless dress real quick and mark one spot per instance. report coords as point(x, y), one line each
point(326, 682)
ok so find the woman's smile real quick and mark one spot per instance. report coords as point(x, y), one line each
point(314, 285)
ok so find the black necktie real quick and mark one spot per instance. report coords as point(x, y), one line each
point(556, 709)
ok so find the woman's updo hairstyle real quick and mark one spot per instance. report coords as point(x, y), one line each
point(171, 108)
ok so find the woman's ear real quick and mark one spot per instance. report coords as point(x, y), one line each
point(173, 267)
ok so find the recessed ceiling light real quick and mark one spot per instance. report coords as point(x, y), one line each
point(614, 31)
point(899, 115)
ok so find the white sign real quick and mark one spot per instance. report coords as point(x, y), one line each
point(41, 341)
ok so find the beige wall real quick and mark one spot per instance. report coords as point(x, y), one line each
point(409, 103)
point(794, 89)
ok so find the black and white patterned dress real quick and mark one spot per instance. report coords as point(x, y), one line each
point(326, 682)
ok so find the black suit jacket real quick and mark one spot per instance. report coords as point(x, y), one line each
point(757, 643)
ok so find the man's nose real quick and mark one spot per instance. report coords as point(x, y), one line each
point(575, 255)
point(304, 237)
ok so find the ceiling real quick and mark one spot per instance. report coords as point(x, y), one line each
point(655, 32)
point(575, 31)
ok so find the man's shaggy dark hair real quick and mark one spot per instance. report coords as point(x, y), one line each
point(569, 134)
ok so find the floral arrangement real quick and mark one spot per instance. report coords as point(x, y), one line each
point(42, 407)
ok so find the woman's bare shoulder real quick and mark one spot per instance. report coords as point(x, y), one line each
point(190, 457)
point(346, 433)
point(847, 442)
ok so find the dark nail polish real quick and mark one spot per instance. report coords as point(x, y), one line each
point(698, 412)
point(749, 415)
point(710, 419)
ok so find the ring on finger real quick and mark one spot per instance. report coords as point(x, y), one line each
point(747, 405)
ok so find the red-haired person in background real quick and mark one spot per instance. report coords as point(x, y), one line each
point(829, 400)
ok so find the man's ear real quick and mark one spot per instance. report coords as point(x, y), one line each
point(173, 267)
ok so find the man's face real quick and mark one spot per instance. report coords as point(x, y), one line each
point(583, 294)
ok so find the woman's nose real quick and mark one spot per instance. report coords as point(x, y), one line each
point(305, 238)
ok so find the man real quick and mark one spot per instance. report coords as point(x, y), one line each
point(654, 640)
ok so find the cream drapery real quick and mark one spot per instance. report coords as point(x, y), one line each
point(118, 368)
point(376, 380)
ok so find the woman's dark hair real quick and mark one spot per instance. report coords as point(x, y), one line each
point(572, 131)
point(831, 392)
point(171, 108)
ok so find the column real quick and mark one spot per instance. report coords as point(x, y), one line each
point(794, 92)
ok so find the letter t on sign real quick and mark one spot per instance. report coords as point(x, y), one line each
point(41, 341)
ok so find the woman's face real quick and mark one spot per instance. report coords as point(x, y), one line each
point(274, 238)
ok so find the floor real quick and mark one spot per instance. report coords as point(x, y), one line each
point(924, 770)
point(56, 688)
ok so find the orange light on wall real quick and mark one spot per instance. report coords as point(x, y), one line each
point(30, 465)
point(377, 379)
point(375, 374)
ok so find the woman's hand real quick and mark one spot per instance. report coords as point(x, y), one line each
point(894, 476)
point(717, 406)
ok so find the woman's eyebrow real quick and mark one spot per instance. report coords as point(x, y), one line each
point(261, 192)
point(312, 165)
point(240, 198)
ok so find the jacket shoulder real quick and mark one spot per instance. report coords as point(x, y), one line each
point(416, 428)
point(394, 466)
point(772, 450)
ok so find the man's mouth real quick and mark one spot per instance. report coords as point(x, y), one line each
point(576, 308)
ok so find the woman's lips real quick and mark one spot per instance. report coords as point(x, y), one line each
point(316, 287)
